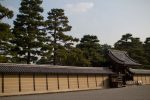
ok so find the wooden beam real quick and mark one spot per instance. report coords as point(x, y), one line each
point(46, 83)
point(103, 80)
point(78, 81)
point(68, 81)
point(34, 82)
point(58, 81)
point(19, 82)
point(2, 82)
point(87, 81)
point(95, 80)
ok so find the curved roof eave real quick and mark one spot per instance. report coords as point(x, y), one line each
point(121, 57)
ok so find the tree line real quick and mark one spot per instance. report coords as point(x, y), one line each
point(35, 40)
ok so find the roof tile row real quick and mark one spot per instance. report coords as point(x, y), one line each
point(25, 68)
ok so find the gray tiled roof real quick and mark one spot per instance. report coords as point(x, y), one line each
point(28, 68)
point(121, 57)
point(139, 71)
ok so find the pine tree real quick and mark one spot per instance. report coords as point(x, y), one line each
point(5, 33)
point(147, 49)
point(28, 32)
point(89, 44)
point(133, 46)
point(57, 25)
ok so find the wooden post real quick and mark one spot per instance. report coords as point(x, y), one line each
point(149, 79)
point(103, 80)
point(19, 82)
point(78, 81)
point(87, 81)
point(2, 82)
point(58, 80)
point(95, 80)
point(68, 81)
point(34, 82)
point(46, 82)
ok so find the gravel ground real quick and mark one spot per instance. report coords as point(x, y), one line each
point(126, 93)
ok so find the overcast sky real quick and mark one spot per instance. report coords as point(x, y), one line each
point(107, 19)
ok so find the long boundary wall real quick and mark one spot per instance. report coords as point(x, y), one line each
point(17, 84)
point(145, 79)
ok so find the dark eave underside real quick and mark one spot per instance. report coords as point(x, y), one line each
point(16, 68)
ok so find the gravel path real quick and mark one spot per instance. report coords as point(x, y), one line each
point(127, 93)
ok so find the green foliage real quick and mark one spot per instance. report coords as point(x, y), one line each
point(124, 43)
point(91, 48)
point(34, 38)
point(145, 67)
point(147, 49)
point(104, 49)
point(5, 12)
point(133, 46)
point(75, 57)
point(5, 34)
point(3, 59)
point(29, 36)
point(57, 25)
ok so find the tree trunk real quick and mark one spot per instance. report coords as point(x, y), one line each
point(28, 58)
point(54, 62)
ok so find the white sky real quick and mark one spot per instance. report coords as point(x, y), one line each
point(107, 19)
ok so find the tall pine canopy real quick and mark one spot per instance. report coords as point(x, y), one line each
point(133, 46)
point(5, 34)
point(147, 49)
point(57, 25)
point(28, 32)
point(91, 48)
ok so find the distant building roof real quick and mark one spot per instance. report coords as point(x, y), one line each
point(28, 68)
point(139, 71)
point(121, 57)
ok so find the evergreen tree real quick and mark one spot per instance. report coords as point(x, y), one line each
point(104, 49)
point(147, 49)
point(133, 46)
point(75, 57)
point(57, 25)
point(91, 48)
point(124, 43)
point(137, 51)
point(5, 34)
point(29, 36)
